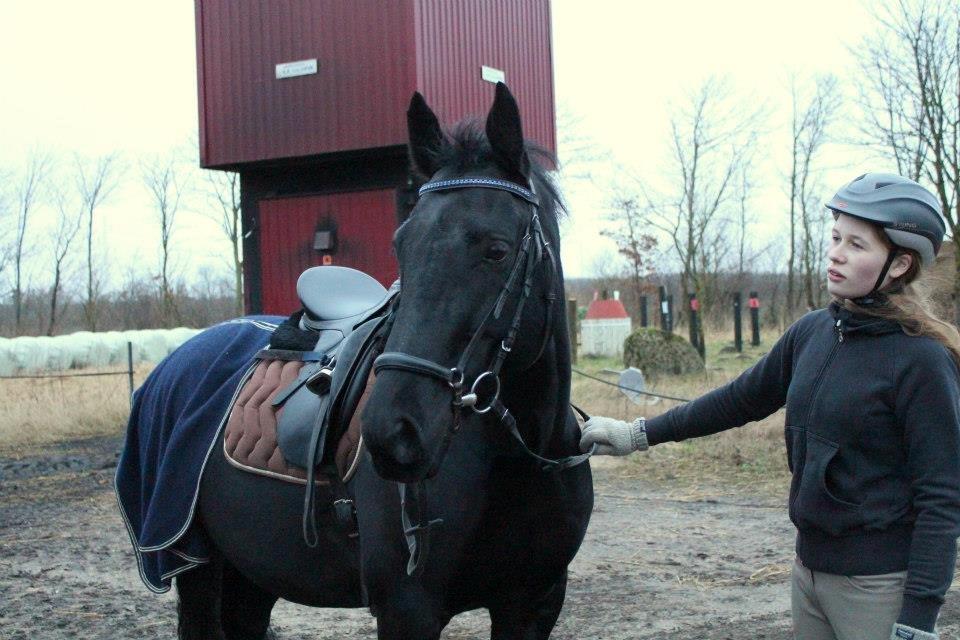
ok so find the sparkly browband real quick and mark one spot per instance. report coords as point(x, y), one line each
point(486, 183)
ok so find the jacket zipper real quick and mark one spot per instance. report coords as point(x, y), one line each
point(823, 368)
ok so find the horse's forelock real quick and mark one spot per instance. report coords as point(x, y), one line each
point(469, 150)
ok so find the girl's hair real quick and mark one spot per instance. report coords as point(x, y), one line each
point(910, 304)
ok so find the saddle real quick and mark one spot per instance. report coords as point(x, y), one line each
point(295, 414)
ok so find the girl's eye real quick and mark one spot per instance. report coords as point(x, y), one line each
point(497, 251)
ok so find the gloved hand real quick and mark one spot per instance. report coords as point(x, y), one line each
point(614, 437)
point(903, 632)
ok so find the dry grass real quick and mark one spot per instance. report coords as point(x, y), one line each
point(37, 411)
point(751, 458)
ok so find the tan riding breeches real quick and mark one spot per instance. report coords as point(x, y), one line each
point(832, 607)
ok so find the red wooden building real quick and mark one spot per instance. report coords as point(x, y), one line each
point(307, 100)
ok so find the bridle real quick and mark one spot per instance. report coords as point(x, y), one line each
point(533, 251)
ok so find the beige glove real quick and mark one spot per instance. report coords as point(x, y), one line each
point(903, 632)
point(614, 437)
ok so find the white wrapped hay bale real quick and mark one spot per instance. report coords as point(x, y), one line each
point(176, 337)
point(84, 349)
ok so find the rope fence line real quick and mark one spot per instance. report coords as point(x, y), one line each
point(632, 390)
point(127, 372)
point(65, 375)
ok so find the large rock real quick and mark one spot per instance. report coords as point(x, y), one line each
point(657, 352)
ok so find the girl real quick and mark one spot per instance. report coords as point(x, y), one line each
point(871, 388)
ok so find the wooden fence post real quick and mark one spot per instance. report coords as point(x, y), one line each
point(572, 328)
point(754, 304)
point(737, 323)
point(695, 327)
point(130, 370)
point(664, 310)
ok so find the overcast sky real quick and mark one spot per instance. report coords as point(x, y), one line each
point(120, 75)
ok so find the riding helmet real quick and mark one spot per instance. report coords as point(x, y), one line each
point(909, 214)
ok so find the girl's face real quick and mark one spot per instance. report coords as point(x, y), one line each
point(856, 256)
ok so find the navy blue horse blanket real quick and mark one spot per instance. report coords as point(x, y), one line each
point(176, 417)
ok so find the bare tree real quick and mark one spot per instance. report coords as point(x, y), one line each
point(29, 190)
point(578, 153)
point(812, 115)
point(69, 219)
point(627, 230)
point(95, 181)
point(711, 138)
point(910, 95)
point(161, 179)
point(6, 210)
point(746, 253)
point(222, 189)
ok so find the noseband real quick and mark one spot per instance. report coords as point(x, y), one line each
point(534, 249)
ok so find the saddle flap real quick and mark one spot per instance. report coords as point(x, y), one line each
point(349, 382)
point(300, 415)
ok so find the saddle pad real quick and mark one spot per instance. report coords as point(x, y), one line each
point(250, 436)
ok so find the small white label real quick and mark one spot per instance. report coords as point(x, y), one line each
point(298, 68)
point(492, 75)
point(665, 307)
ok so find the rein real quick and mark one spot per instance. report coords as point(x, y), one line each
point(533, 251)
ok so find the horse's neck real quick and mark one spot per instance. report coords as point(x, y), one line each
point(539, 398)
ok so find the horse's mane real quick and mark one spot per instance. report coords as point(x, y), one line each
point(470, 150)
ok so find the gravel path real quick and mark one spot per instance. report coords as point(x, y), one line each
point(653, 565)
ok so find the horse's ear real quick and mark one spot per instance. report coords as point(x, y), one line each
point(426, 137)
point(506, 135)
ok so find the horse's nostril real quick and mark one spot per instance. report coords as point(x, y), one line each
point(405, 441)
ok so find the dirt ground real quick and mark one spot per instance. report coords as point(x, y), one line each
point(656, 563)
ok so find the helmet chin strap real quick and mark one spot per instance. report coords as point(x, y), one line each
point(875, 295)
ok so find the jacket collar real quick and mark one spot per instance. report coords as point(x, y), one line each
point(862, 322)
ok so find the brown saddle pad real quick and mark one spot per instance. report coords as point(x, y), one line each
point(250, 437)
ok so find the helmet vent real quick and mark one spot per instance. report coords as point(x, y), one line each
point(880, 185)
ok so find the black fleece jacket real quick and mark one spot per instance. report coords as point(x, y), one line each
point(873, 442)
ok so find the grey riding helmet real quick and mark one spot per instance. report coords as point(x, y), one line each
point(909, 214)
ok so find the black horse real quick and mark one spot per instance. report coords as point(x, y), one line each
point(482, 292)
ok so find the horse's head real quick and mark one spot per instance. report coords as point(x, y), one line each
point(470, 246)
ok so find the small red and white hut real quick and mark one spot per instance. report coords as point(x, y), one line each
point(605, 327)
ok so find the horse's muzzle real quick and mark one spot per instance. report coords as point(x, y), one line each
point(398, 453)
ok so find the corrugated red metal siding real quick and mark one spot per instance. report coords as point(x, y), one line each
point(364, 223)
point(456, 37)
point(366, 73)
point(371, 56)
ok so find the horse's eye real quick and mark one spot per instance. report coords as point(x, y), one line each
point(497, 251)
